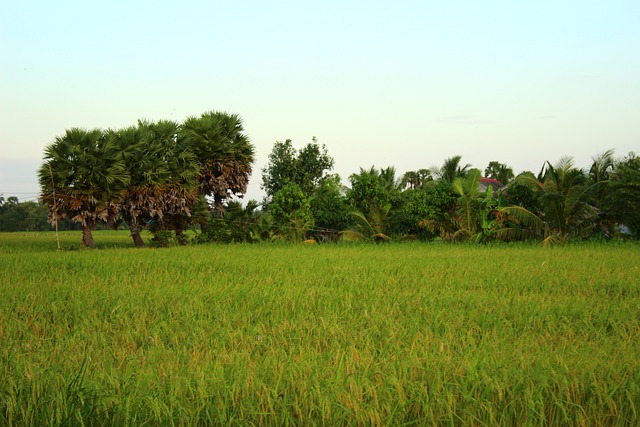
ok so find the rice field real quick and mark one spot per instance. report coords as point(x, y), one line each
point(396, 334)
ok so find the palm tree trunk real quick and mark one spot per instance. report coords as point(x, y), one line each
point(135, 235)
point(87, 237)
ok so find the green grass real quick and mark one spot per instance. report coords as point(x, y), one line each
point(423, 334)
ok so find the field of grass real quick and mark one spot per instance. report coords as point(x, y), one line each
point(398, 334)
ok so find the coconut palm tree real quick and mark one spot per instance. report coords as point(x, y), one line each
point(563, 194)
point(83, 178)
point(451, 169)
point(374, 226)
point(224, 154)
point(468, 190)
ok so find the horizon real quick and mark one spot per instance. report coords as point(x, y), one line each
point(406, 85)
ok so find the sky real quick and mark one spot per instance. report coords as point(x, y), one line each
point(380, 83)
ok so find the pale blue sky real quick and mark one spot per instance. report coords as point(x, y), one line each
point(403, 83)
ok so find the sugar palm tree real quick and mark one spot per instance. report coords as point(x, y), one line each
point(174, 192)
point(224, 154)
point(163, 174)
point(83, 178)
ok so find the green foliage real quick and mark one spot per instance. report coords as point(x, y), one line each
point(154, 171)
point(290, 209)
point(23, 216)
point(330, 210)
point(499, 171)
point(374, 187)
point(374, 225)
point(622, 202)
point(452, 169)
point(224, 153)
point(308, 168)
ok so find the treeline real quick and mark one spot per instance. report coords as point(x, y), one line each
point(454, 202)
point(30, 216)
point(167, 177)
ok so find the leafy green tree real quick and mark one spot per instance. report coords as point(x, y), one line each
point(438, 210)
point(374, 187)
point(83, 177)
point(290, 209)
point(22, 216)
point(330, 210)
point(308, 168)
point(522, 192)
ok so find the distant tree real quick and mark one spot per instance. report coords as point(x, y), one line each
point(22, 216)
point(163, 174)
point(415, 179)
point(83, 177)
point(563, 195)
point(290, 209)
point(452, 169)
point(308, 168)
point(373, 187)
point(373, 225)
point(437, 210)
point(622, 201)
point(224, 154)
point(499, 171)
point(330, 209)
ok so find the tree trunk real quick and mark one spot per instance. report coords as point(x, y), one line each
point(87, 237)
point(135, 235)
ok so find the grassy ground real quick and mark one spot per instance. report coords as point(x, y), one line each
point(299, 334)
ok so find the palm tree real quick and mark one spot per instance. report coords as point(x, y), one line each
point(467, 207)
point(499, 171)
point(563, 195)
point(174, 195)
point(451, 169)
point(224, 153)
point(374, 226)
point(83, 177)
point(163, 174)
point(599, 174)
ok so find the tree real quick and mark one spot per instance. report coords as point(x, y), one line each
point(451, 169)
point(330, 210)
point(623, 199)
point(374, 187)
point(224, 154)
point(563, 195)
point(163, 174)
point(468, 191)
point(415, 179)
point(308, 168)
point(83, 177)
point(290, 209)
point(373, 225)
point(500, 172)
